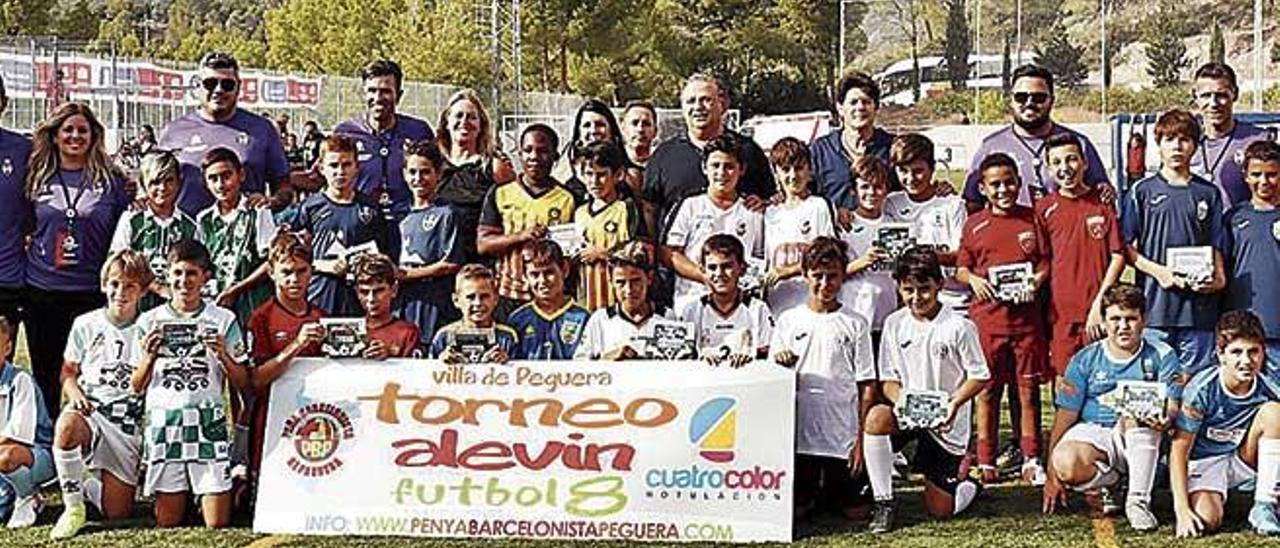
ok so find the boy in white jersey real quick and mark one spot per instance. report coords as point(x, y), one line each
point(936, 220)
point(790, 226)
point(869, 289)
point(100, 428)
point(829, 346)
point(182, 371)
point(925, 347)
point(1091, 443)
point(731, 327)
point(718, 211)
point(609, 330)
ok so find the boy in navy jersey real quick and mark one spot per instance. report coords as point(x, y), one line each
point(1253, 250)
point(1228, 433)
point(338, 219)
point(430, 253)
point(551, 325)
point(1176, 209)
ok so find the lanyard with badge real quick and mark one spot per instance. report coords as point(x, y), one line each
point(1211, 169)
point(1037, 190)
point(384, 152)
point(66, 243)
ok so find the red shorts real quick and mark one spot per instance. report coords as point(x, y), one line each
point(1067, 339)
point(1015, 359)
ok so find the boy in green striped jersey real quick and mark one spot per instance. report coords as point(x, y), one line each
point(238, 237)
point(151, 230)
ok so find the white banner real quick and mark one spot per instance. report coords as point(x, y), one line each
point(652, 451)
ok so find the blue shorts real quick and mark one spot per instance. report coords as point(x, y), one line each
point(26, 480)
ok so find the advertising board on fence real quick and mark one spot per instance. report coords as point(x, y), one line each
point(650, 451)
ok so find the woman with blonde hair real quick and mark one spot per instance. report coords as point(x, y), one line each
point(79, 196)
point(473, 163)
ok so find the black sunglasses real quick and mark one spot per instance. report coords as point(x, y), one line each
point(224, 85)
point(1036, 97)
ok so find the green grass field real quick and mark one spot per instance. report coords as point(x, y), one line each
point(1006, 515)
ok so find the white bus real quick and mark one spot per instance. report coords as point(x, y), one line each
point(984, 72)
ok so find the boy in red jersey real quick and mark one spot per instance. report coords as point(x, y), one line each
point(1087, 251)
point(376, 285)
point(1005, 234)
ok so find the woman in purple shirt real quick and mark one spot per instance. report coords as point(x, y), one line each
point(78, 195)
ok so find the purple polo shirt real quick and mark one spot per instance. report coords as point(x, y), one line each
point(252, 137)
point(15, 208)
point(1221, 161)
point(1028, 153)
point(381, 157)
point(98, 209)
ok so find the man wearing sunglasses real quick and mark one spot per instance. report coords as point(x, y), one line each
point(1219, 157)
point(219, 123)
point(380, 135)
point(1031, 104)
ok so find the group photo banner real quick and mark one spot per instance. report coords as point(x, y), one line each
point(646, 451)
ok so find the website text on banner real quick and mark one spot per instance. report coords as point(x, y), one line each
point(661, 451)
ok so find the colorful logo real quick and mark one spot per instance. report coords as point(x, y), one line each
point(714, 428)
point(317, 430)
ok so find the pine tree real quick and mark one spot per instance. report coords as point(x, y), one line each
point(1064, 59)
point(1166, 52)
point(957, 47)
point(1217, 46)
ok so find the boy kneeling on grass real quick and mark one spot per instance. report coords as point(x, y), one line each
point(25, 436)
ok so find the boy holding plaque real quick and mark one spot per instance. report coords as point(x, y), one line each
point(376, 286)
point(931, 366)
point(1004, 259)
point(192, 350)
point(612, 332)
point(477, 337)
point(829, 347)
point(730, 326)
point(550, 326)
point(874, 245)
point(1253, 233)
point(1084, 241)
point(1228, 433)
point(1101, 429)
point(1172, 225)
point(340, 224)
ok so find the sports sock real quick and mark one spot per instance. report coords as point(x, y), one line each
point(1268, 470)
point(70, 466)
point(1102, 478)
point(1142, 448)
point(877, 451)
point(966, 491)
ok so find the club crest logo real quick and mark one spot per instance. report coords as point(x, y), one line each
point(429, 222)
point(1202, 210)
point(1027, 241)
point(1096, 225)
point(1275, 230)
point(317, 432)
point(806, 227)
point(611, 227)
point(570, 331)
point(742, 229)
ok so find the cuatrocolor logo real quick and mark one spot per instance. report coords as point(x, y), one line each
point(714, 429)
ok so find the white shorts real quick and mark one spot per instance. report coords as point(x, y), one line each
point(1218, 474)
point(1107, 439)
point(112, 450)
point(196, 477)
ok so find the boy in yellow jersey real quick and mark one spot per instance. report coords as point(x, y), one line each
point(514, 215)
point(606, 220)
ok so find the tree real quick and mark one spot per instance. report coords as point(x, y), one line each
point(1006, 66)
point(1166, 52)
point(958, 46)
point(1064, 59)
point(25, 17)
point(909, 16)
point(1217, 46)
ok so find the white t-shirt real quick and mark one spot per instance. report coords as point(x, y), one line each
point(937, 222)
point(106, 354)
point(872, 293)
point(698, 219)
point(788, 229)
point(940, 354)
point(834, 351)
point(746, 330)
point(608, 328)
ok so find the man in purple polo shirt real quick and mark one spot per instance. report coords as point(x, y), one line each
point(1219, 158)
point(1031, 103)
point(219, 123)
point(15, 216)
point(380, 135)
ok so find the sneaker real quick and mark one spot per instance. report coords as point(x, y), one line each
point(1109, 500)
point(1263, 518)
point(899, 464)
point(1138, 512)
point(25, 512)
point(988, 473)
point(1033, 473)
point(881, 517)
point(69, 523)
point(1009, 457)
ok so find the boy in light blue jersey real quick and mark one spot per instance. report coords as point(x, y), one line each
point(551, 325)
point(1253, 250)
point(1091, 445)
point(26, 435)
point(1228, 433)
